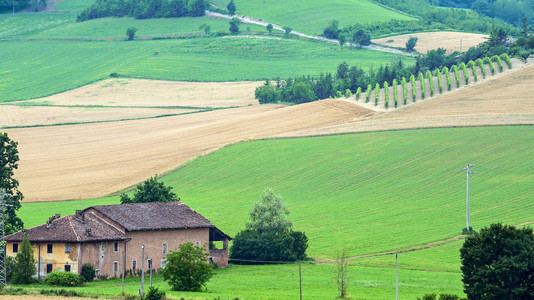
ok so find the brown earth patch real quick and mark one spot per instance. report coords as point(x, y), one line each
point(15, 116)
point(448, 40)
point(92, 160)
point(151, 93)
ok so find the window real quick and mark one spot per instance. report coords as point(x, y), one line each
point(49, 248)
point(149, 263)
point(115, 246)
point(163, 263)
point(115, 267)
point(165, 248)
point(197, 243)
point(15, 247)
point(134, 264)
point(67, 248)
point(49, 268)
point(67, 268)
point(102, 246)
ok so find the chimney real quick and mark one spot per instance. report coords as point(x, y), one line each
point(80, 216)
point(88, 231)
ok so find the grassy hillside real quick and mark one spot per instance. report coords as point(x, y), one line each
point(38, 68)
point(369, 192)
point(312, 16)
point(28, 24)
point(116, 27)
point(73, 5)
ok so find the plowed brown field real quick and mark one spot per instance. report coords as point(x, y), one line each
point(448, 40)
point(92, 160)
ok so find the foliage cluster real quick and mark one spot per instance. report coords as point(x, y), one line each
point(498, 263)
point(88, 272)
point(144, 9)
point(268, 236)
point(16, 5)
point(11, 196)
point(151, 190)
point(187, 269)
point(24, 264)
point(63, 278)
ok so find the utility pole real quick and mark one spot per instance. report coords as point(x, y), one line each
point(300, 280)
point(396, 276)
point(3, 276)
point(143, 272)
point(467, 214)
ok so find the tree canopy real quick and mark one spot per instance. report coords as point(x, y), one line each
point(9, 158)
point(498, 263)
point(188, 268)
point(151, 190)
point(24, 266)
point(268, 236)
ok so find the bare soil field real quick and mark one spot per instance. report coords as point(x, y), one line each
point(157, 93)
point(92, 160)
point(448, 40)
point(16, 116)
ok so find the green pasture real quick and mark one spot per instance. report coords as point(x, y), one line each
point(116, 27)
point(32, 69)
point(25, 25)
point(282, 282)
point(73, 5)
point(312, 16)
point(369, 193)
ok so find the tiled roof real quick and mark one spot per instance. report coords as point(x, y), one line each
point(154, 216)
point(73, 228)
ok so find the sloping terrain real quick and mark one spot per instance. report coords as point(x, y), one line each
point(92, 160)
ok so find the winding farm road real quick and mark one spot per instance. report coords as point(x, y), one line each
point(250, 20)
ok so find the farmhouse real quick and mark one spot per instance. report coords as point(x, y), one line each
point(111, 238)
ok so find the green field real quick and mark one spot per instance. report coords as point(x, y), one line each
point(73, 5)
point(312, 16)
point(32, 69)
point(30, 24)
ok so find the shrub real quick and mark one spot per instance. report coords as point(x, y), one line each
point(448, 297)
point(154, 294)
point(62, 278)
point(386, 94)
point(377, 91)
point(480, 64)
point(348, 93)
point(466, 75)
point(88, 272)
point(404, 90)
point(368, 93)
point(430, 83)
point(456, 75)
point(412, 82)
point(395, 98)
point(507, 60)
point(474, 71)
point(422, 81)
point(470, 64)
point(358, 93)
point(440, 84)
point(130, 33)
point(448, 78)
point(499, 62)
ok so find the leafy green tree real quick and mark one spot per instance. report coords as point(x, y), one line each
point(188, 268)
point(234, 25)
point(231, 7)
point(269, 235)
point(206, 28)
point(266, 94)
point(130, 33)
point(342, 39)
point(498, 263)
point(197, 8)
point(332, 30)
point(88, 272)
point(9, 158)
point(270, 27)
point(24, 267)
point(411, 43)
point(361, 38)
point(287, 30)
point(151, 190)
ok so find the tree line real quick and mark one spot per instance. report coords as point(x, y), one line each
point(144, 9)
point(16, 5)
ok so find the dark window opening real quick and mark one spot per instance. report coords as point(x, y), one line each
point(116, 246)
point(149, 263)
point(49, 248)
point(49, 268)
point(134, 264)
point(67, 248)
point(67, 268)
point(15, 248)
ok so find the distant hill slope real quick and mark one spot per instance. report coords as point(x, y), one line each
point(311, 16)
